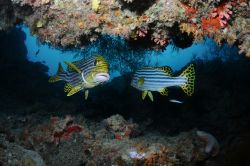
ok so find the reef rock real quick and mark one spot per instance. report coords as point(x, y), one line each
point(75, 23)
point(13, 154)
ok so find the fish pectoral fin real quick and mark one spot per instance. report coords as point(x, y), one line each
point(144, 94)
point(86, 94)
point(164, 92)
point(140, 81)
point(74, 90)
point(189, 73)
point(73, 67)
point(67, 87)
point(150, 95)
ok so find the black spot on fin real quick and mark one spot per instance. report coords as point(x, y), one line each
point(189, 73)
point(164, 92)
point(167, 70)
point(74, 90)
point(67, 87)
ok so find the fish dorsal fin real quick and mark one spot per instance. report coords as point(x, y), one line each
point(167, 70)
point(60, 68)
point(72, 66)
point(164, 92)
point(74, 90)
point(140, 81)
point(189, 74)
point(56, 78)
point(76, 63)
point(67, 87)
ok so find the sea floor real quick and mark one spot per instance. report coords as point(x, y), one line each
point(41, 138)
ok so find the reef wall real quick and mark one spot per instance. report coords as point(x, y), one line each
point(76, 23)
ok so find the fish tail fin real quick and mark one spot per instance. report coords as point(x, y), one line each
point(56, 77)
point(189, 73)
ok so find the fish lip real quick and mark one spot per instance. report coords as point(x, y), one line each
point(104, 77)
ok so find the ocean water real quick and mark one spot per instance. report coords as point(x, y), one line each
point(41, 125)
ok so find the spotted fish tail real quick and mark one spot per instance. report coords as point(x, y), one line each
point(189, 74)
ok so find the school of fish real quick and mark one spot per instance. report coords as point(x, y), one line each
point(88, 73)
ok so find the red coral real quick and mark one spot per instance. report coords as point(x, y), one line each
point(217, 19)
point(210, 24)
point(66, 133)
point(223, 12)
point(63, 129)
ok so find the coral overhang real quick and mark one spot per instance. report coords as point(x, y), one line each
point(75, 23)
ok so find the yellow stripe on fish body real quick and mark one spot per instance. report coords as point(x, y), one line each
point(72, 66)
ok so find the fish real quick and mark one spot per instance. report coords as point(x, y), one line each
point(37, 52)
point(95, 5)
point(82, 75)
point(150, 79)
point(175, 101)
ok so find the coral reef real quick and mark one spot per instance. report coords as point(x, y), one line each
point(35, 128)
point(76, 23)
point(121, 128)
point(15, 154)
point(56, 131)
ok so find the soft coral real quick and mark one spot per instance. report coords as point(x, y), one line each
point(217, 19)
point(223, 12)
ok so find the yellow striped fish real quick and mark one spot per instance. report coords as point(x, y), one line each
point(82, 74)
point(158, 79)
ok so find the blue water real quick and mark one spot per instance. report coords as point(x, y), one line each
point(176, 59)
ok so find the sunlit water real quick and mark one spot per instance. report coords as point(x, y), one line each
point(176, 59)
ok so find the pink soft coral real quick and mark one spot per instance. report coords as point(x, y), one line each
point(141, 32)
point(160, 41)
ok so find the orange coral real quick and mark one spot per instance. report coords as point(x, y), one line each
point(210, 24)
